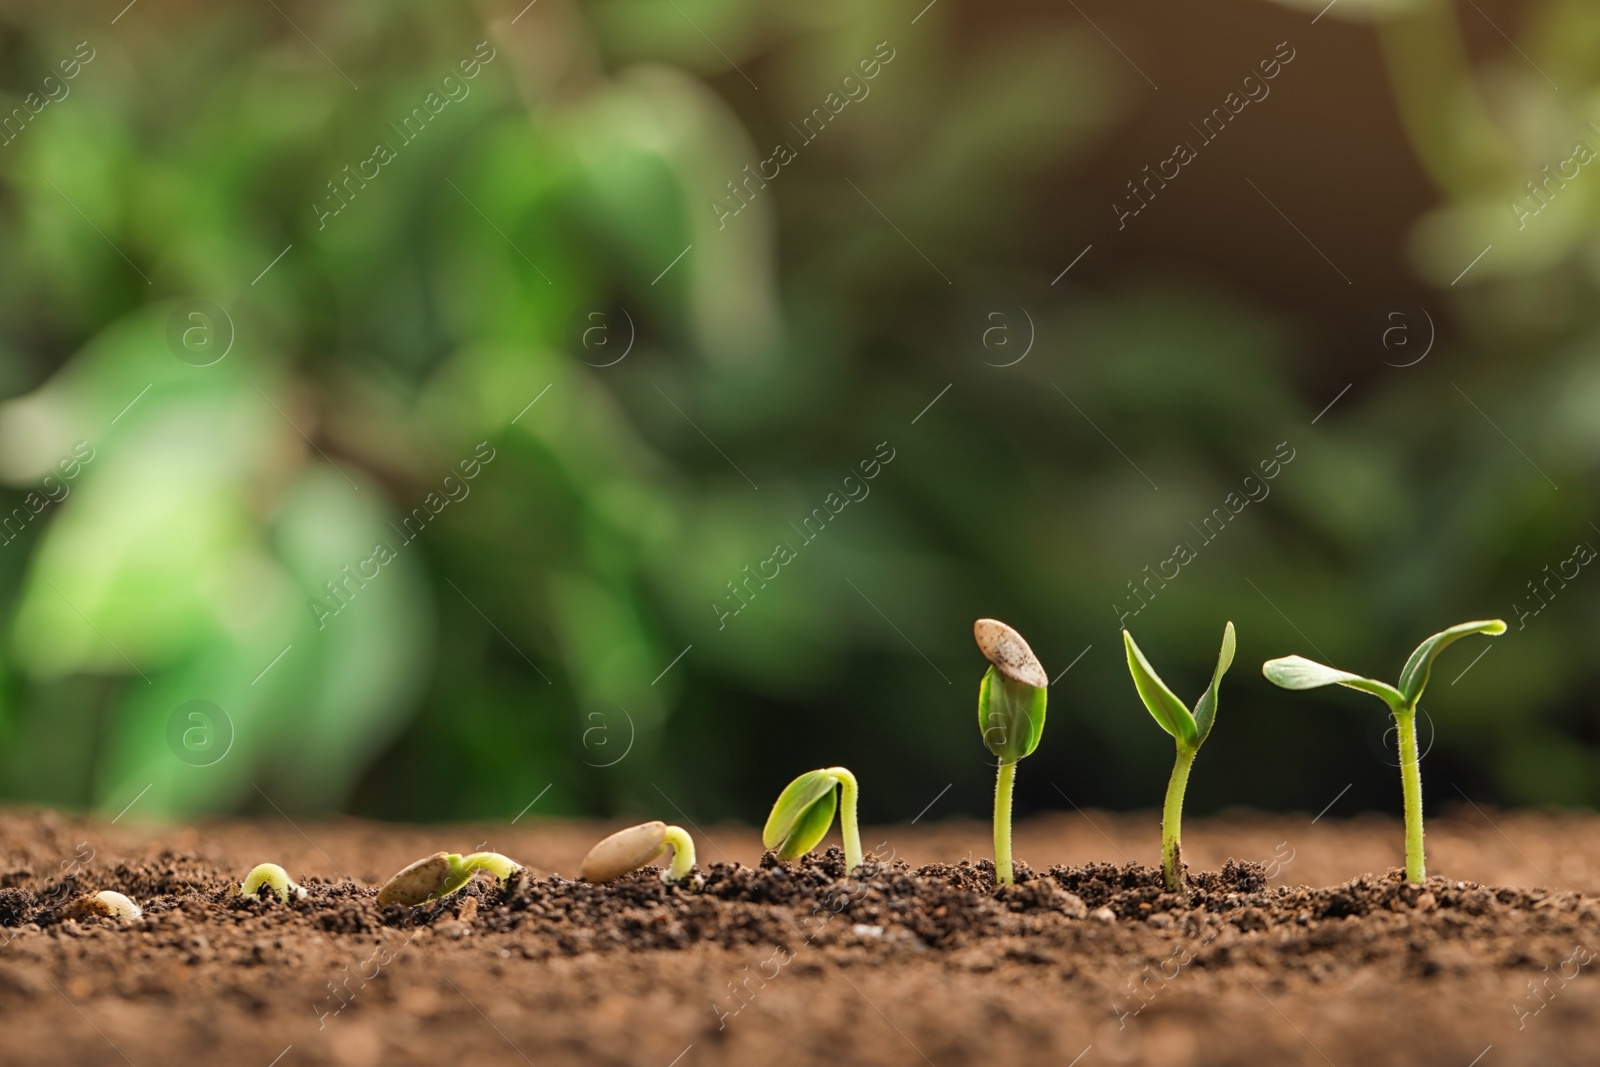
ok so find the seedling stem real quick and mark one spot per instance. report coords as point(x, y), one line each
point(1411, 789)
point(1172, 821)
point(1189, 729)
point(1011, 704)
point(1297, 672)
point(803, 814)
point(1004, 780)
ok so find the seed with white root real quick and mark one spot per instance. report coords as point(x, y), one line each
point(441, 874)
point(272, 876)
point(628, 850)
point(105, 903)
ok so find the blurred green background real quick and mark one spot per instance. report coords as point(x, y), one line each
point(398, 381)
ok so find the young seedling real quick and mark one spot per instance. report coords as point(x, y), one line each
point(803, 814)
point(627, 850)
point(1296, 672)
point(441, 874)
point(270, 876)
point(1011, 701)
point(1189, 730)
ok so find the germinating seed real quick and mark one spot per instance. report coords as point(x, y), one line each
point(624, 851)
point(274, 877)
point(628, 850)
point(105, 903)
point(416, 882)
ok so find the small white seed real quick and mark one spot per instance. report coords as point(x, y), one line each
point(624, 851)
point(1005, 648)
point(416, 882)
point(105, 903)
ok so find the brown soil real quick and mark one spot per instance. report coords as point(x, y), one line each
point(919, 961)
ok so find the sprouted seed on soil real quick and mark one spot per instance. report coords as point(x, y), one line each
point(273, 877)
point(1189, 730)
point(803, 814)
point(627, 850)
point(443, 873)
point(1011, 701)
point(107, 903)
point(1297, 672)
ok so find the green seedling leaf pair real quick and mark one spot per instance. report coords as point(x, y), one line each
point(1011, 705)
point(1188, 729)
point(803, 815)
point(1297, 672)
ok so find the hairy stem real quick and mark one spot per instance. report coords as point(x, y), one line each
point(1411, 783)
point(682, 854)
point(849, 827)
point(1002, 822)
point(1172, 821)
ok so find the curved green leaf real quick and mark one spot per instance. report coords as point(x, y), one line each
point(1205, 712)
point(1010, 714)
point(1170, 713)
point(810, 828)
point(1297, 672)
point(801, 816)
point(1415, 676)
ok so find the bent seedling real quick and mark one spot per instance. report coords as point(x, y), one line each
point(1189, 730)
point(1297, 672)
point(272, 877)
point(803, 814)
point(441, 874)
point(627, 850)
point(1011, 701)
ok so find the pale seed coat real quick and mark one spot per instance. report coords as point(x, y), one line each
point(417, 882)
point(624, 851)
point(1005, 648)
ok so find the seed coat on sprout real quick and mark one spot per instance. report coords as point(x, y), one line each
point(1011, 706)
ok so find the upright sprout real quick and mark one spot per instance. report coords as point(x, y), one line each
point(1297, 672)
point(1011, 701)
point(1189, 730)
point(803, 814)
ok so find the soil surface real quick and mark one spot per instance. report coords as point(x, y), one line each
point(918, 960)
